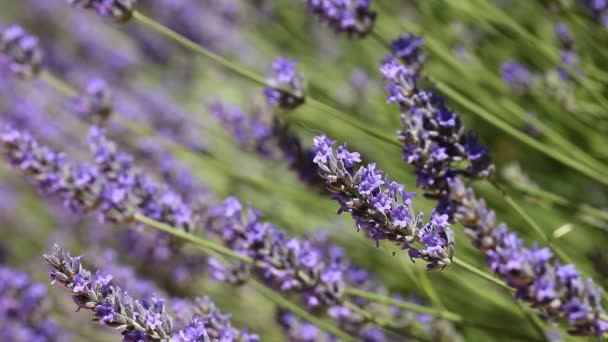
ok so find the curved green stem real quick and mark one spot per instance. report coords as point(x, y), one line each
point(288, 305)
point(167, 32)
point(450, 316)
point(479, 273)
point(200, 242)
point(561, 200)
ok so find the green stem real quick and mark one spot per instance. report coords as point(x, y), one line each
point(450, 316)
point(167, 32)
point(494, 120)
point(474, 270)
point(534, 321)
point(562, 201)
point(353, 121)
point(200, 242)
point(387, 324)
point(288, 305)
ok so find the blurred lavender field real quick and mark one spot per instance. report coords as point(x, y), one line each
point(313, 170)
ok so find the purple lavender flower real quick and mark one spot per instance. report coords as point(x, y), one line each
point(288, 264)
point(95, 103)
point(408, 49)
point(120, 10)
point(517, 77)
point(110, 304)
point(23, 314)
point(353, 17)
point(207, 321)
point(286, 87)
point(557, 291)
point(433, 138)
point(21, 50)
point(145, 319)
point(382, 208)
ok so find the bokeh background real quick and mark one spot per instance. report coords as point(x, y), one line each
point(166, 91)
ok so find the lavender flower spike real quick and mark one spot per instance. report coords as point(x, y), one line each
point(22, 51)
point(143, 320)
point(138, 320)
point(286, 86)
point(558, 291)
point(95, 103)
point(120, 10)
point(433, 139)
point(353, 17)
point(382, 207)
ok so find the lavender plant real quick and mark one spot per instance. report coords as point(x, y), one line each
point(557, 291)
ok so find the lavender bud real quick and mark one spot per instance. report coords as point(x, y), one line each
point(95, 103)
point(286, 86)
point(119, 10)
point(22, 51)
point(517, 77)
point(353, 17)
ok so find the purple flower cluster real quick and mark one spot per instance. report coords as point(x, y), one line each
point(128, 190)
point(557, 290)
point(23, 309)
point(22, 52)
point(207, 321)
point(350, 321)
point(273, 141)
point(353, 17)
point(408, 48)
point(120, 10)
point(94, 105)
point(382, 208)
point(433, 138)
point(114, 186)
point(286, 86)
point(598, 9)
point(519, 79)
point(139, 320)
point(286, 263)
